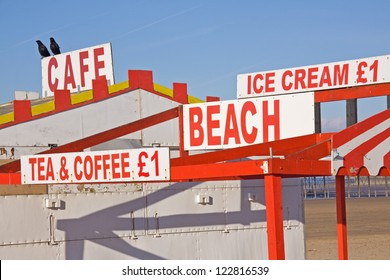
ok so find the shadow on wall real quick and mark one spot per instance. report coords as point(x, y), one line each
point(99, 227)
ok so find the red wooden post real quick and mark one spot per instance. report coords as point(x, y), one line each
point(100, 88)
point(180, 93)
point(274, 214)
point(181, 132)
point(62, 100)
point(212, 98)
point(341, 218)
point(22, 110)
point(141, 79)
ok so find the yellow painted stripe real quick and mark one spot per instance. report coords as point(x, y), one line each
point(163, 90)
point(6, 118)
point(118, 87)
point(193, 99)
point(42, 108)
point(81, 97)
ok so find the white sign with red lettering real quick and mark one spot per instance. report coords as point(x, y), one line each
point(148, 164)
point(75, 70)
point(235, 123)
point(365, 71)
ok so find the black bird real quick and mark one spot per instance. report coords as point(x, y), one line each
point(55, 48)
point(42, 49)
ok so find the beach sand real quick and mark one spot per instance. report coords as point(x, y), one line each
point(368, 227)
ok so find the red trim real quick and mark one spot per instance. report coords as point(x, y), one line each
point(22, 110)
point(386, 160)
point(212, 98)
point(62, 100)
point(363, 171)
point(357, 129)
point(138, 79)
point(10, 179)
point(383, 171)
point(342, 172)
point(180, 94)
point(141, 79)
point(100, 89)
point(351, 93)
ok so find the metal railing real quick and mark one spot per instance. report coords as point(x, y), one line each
point(360, 186)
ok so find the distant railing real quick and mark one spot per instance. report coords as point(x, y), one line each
point(359, 186)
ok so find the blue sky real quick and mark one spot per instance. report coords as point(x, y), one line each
point(202, 43)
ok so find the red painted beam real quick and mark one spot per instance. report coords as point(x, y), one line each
point(101, 137)
point(10, 179)
point(256, 168)
point(279, 147)
point(274, 215)
point(341, 213)
point(352, 93)
point(317, 151)
point(214, 171)
point(298, 167)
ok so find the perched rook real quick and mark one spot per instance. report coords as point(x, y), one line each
point(42, 49)
point(55, 49)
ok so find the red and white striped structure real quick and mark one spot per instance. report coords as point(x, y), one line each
point(364, 148)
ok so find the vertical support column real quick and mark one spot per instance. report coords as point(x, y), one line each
point(317, 117)
point(341, 218)
point(351, 112)
point(181, 132)
point(274, 214)
point(388, 102)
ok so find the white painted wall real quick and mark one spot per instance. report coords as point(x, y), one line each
point(152, 221)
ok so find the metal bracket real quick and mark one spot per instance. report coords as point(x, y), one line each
point(52, 203)
point(252, 197)
point(203, 199)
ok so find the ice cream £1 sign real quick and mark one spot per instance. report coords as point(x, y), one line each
point(133, 165)
point(350, 73)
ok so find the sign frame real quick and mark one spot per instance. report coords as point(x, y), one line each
point(131, 165)
point(349, 73)
point(75, 70)
point(242, 122)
